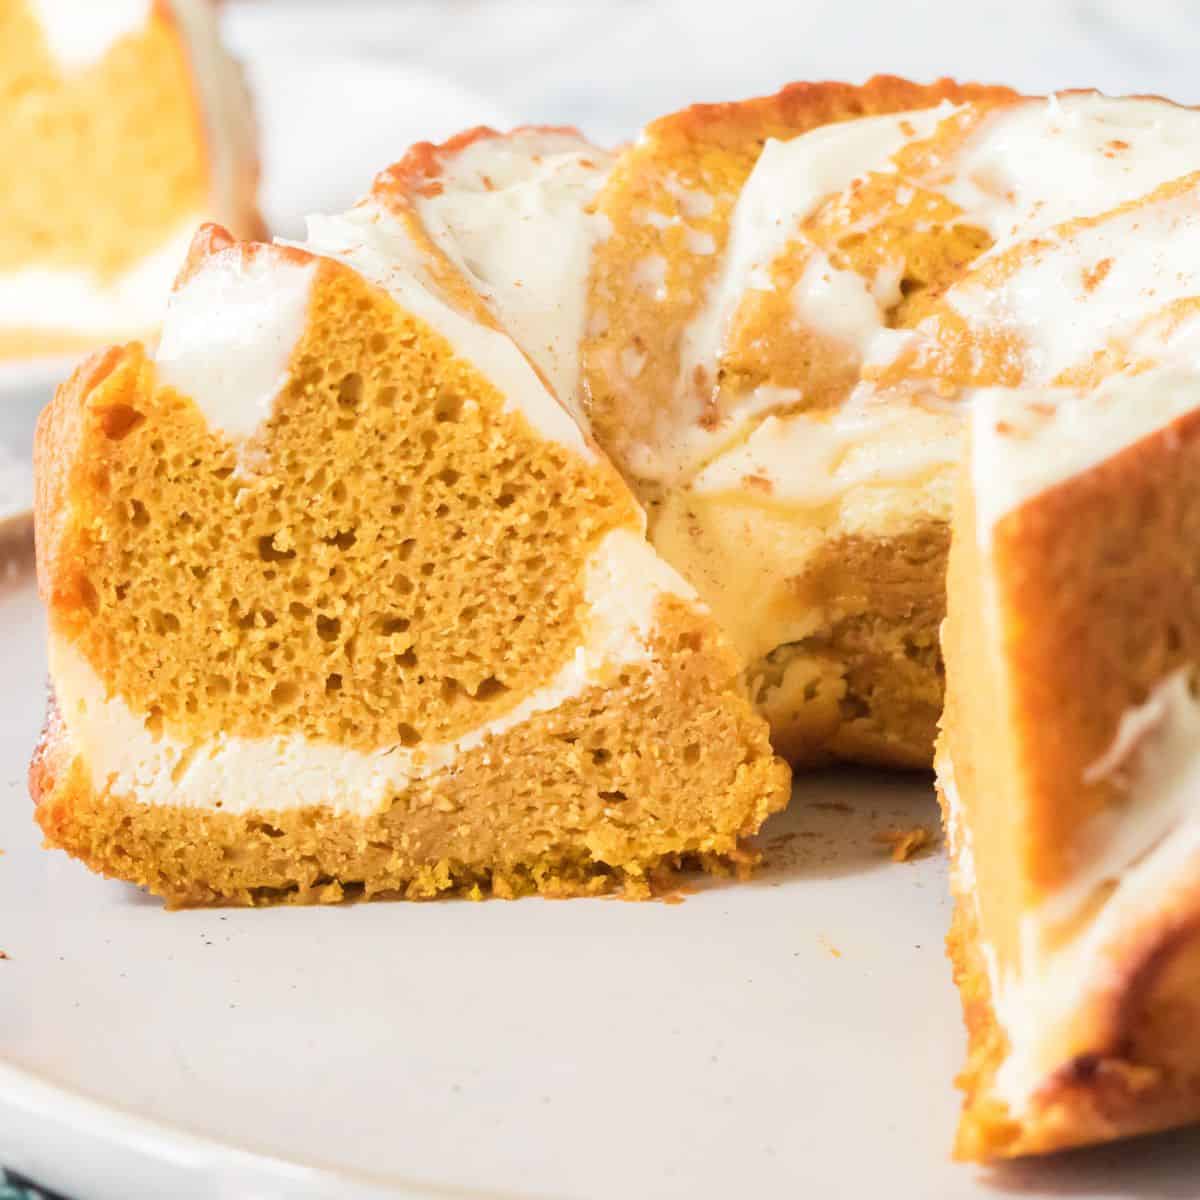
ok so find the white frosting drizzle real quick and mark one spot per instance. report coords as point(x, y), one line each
point(808, 460)
point(229, 334)
point(788, 182)
point(80, 32)
point(841, 305)
point(1032, 165)
point(1075, 294)
point(624, 584)
point(1024, 441)
point(512, 215)
point(380, 248)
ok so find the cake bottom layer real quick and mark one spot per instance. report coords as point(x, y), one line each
point(1144, 1077)
point(604, 791)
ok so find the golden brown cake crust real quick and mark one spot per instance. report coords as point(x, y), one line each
point(1089, 624)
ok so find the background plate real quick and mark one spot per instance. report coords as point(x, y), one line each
point(26, 387)
point(793, 1036)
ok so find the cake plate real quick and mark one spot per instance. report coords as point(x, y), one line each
point(795, 1036)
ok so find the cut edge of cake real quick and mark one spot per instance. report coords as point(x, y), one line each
point(620, 747)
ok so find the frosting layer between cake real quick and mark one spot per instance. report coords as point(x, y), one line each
point(245, 775)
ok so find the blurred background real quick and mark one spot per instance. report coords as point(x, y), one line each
point(343, 86)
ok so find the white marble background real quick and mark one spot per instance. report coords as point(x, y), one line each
point(345, 85)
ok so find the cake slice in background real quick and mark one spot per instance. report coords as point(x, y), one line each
point(343, 601)
point(124, 124)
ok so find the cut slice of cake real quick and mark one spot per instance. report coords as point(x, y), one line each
point(1067, 764)
point(124, 125)
point(343, 601)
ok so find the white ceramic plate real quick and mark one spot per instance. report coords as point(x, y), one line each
point(794, 1036)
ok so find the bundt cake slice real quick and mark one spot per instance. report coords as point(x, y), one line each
point(123, 125)
point(1067, 762)
point(342, 601)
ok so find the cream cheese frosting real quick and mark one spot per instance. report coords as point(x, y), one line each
point(1027, 440)
point(229, 334)
point(513, 213)
point(624, 584)
point(1074, 294)
point(1038, 163)
point(379, 247)
point(789, 181)
point(805, 460)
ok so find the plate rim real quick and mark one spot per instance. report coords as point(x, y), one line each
point(203, 1166)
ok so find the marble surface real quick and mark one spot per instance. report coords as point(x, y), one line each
point(346, 87)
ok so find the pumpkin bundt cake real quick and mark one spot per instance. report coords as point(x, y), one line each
point(343, 601)
point(125, 125)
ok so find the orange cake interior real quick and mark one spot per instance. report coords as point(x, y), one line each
point(130, 126)
point(352, 606)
